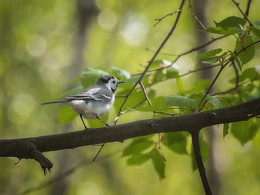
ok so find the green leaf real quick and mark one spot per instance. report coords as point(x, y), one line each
point(257, 24)
point(90, 76)
point(137, 146)
point(214, 101)
point(220, 30)
point(66, 115)
point(137, 159)
point(158, 76)
point(225, 129)
point(236, 59)
point(158, 162)
point(244, 131)
point(209, 54)
point(211, 60)
point(160, 63)
point(229, 26)
point(120, 74)
point(180, 101)
point(248, 54)
point(176, 142)
point(180, 85)
point(132, 80)
point(172, 71)
point(136, 97)
point(231, 21)
point(256, 31)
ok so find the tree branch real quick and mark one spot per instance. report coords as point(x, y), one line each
point(201, 168)
point(241, 11)
point(30, 148)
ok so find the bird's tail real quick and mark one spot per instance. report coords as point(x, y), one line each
point(55, 102)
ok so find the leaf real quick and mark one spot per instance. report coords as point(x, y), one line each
point(132, 80)
point(172, 71)
point(120, 74)
point(248, 54)
point(180, 101)
point(160, 63)
point(228, 26)
point(90, 76)
point(231, 21)
point(135, 97)
point(236, 59)
point(158, 76)
point(214, 101)
point(224, 31)
point(158, 162)
point(176, 142)
point(257, 24)
point(66, 115)
point(225, 129)
point(209, 54)
point(180, 85)
point(211, 60)
point(244, 131)
point(137, 146)
point(256, 31)
point(137, 159)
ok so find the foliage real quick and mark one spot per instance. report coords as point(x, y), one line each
point(168, 90)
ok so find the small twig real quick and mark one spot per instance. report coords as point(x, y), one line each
point(98, 152)
point(159, 142)
point(248, 7)
point(19, 160)
point(209, 88)
point(258, 41)
point(241, 11)
point(195, 17)
point(237, 81)
point(123, 112)
point(188, 52)
point(153, 57)
point(145, 94)
point(160, 147)
point(199, 161)
point(160, 19)
point(199, 69)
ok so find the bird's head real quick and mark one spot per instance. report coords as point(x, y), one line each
point(109, 81)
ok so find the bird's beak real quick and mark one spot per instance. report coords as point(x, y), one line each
point(120, 82)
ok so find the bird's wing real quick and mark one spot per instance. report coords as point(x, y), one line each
point(94, 94)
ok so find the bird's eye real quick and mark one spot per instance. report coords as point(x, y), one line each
point(114, 82)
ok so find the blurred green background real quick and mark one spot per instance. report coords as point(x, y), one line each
point(44, 45)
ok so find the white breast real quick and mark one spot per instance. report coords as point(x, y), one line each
point(91, 109)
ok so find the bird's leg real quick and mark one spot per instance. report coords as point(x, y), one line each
point(83, 121)
point(107, 125)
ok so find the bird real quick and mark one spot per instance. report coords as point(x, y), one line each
point(95, 101)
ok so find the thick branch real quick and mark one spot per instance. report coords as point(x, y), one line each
point(198, 157)
point(22, 148)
